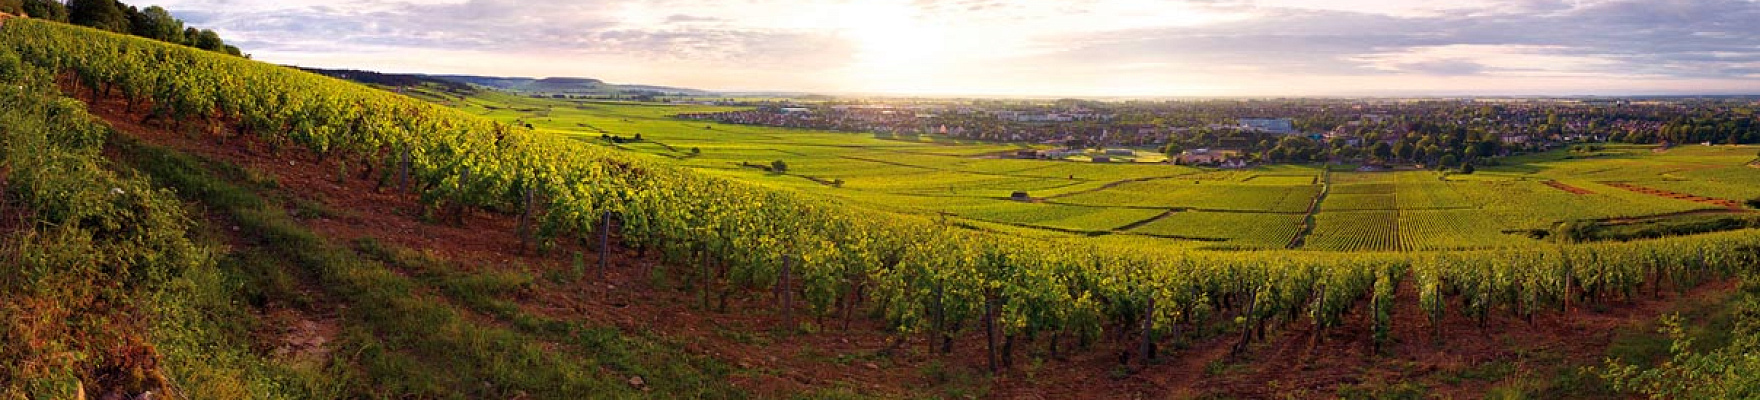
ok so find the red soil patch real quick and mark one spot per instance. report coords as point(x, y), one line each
point(1725, 203)
point(1568, 188)
point(1296, 359)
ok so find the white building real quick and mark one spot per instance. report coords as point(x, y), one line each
point(1281, 126)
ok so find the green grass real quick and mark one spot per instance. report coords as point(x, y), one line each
point(928, 175)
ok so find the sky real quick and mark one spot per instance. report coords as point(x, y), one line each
point(1096, 48)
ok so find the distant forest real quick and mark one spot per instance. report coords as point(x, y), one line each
point(111, 15)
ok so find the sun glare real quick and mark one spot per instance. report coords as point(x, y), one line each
point(894, 44)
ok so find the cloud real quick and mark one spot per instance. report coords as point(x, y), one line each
point(998, 45)
point(1673, 38)
point(1454, 66)
point(682, 18)
point(516, 27)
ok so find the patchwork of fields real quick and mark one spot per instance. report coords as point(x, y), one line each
point(1160, 204)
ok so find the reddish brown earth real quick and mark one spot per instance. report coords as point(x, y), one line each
point(1568, 188)
point(1725, 203)
point(1296, 360)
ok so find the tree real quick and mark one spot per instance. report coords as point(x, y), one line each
point(1382, 151)
point(157, 24)
point(1447, 161)
point(1346, 153)
point(102, 14)
point(778, 166)
point(210, 41)
point(45, 9)
point(1173, 149)
point(1488, 148)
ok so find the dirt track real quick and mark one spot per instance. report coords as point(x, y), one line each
point(1568, 188)
point(1725, 203)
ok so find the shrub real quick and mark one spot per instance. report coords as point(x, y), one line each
point(778, 166)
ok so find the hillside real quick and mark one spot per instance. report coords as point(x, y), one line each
point(395, 80)
point(290, 235)
point(466, 84)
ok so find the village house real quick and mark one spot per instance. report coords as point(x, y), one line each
point(1059, 154)
point(1207, 156)
point(1349, 139)
point(1281, 126)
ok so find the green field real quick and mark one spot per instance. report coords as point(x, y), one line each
point(1256, 208)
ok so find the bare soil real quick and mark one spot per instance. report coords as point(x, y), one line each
point(1568, 188)
point(1725, 203)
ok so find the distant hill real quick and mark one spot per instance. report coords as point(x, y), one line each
point(395, 80)
point(567, 85)
point(466, 84)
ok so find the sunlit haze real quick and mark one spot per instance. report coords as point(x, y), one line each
point(1037, 48)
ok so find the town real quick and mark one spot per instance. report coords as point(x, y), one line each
point(1439, 132)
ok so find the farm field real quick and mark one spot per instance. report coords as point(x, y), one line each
point(515, 247)
point(1254, 208)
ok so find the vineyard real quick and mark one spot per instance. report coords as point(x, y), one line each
point(1356, 231)
point(1267, 230)
point(826, 253)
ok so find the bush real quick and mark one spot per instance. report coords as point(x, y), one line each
point(778, 166)
point(1754, 203)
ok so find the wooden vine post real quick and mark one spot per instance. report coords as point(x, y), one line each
point(403, 167)
point(1249, 314)
point(458, 206)
point(604, 243)
point(703, 277)
point(1147, 349)
point(784, 294)
point(939, 316)
point(990, 332)
point(525, 218)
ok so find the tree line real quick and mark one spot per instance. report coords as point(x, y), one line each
point(153, 22)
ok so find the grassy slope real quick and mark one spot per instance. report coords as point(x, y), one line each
point(414, 324)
